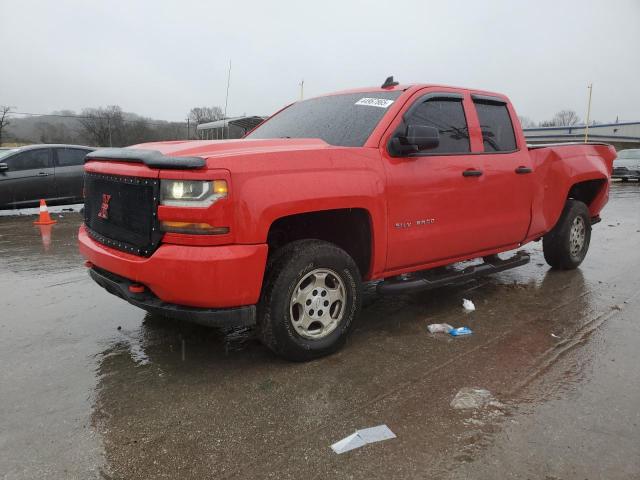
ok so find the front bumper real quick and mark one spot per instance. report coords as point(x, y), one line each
point(209, 277)
point(219, 317)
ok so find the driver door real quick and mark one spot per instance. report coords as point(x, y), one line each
point(436, 200)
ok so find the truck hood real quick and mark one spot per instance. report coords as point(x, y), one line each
point(227, 148)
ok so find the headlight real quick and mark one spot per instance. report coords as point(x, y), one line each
point(192, 193)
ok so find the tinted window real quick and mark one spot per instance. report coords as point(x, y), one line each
point(497, 130)
point(344, 120)
point(629, 153)
point(6, 151)
point(67, 157)
point(29, 160)
point(626, 162)
point(448, 117)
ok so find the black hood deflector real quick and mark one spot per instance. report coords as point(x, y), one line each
point(151, 158)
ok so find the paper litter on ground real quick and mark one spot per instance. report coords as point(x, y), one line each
point(439, 328)
point(362, 437)
point(473, 397)
point(468, 305)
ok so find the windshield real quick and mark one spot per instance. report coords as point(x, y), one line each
point(344, 120)
point(8, 151)
point(629, 154)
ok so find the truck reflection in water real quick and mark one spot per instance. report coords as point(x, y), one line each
point(170, 393)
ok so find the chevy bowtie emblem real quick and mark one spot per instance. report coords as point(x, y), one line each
point(104, 209)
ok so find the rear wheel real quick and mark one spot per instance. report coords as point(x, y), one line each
point(566, 246)
point(311, 296)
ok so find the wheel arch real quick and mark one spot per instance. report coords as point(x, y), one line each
point(349, 228)
point(587, 191)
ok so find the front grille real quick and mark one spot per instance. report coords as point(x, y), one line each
point(120, 212)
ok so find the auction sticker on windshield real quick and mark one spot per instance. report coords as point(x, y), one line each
point(375, 102)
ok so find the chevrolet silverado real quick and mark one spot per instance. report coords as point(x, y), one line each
point(398, 183)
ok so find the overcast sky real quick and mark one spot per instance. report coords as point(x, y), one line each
point(160, 58)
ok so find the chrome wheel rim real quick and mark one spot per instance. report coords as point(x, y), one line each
point(317, 304)
point(577, 236)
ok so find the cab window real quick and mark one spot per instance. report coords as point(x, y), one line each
point(496, 126)
point(446, 115)
point(68, 157)
point(29, 160)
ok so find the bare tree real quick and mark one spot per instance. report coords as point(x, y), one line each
point(5, 111)
point(526, 122)
point(54, 132)
point(199, 115)
point(565, 118)
point(137, 131)
point(103, 126)
point(169, 130)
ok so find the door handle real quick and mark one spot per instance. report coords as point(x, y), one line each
point(43, 174)
point(523, 170)
point(472, 173)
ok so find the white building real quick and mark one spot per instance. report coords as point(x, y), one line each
point(235, 127)
point(621, 135)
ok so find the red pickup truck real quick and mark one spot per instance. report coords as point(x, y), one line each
point(281, 228)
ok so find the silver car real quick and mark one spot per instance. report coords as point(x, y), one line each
point(627, 165)
point(51, 172)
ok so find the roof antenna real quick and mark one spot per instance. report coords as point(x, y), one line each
point(388, 83)
point(226, 101)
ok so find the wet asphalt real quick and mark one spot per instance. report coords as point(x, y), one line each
point(92, 387)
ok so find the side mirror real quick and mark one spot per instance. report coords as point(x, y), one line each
point(423, 137)
point(417, 138)
point(4, 167)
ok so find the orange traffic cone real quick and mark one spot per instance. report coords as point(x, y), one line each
point(44, 218)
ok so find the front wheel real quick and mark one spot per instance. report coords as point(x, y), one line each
point(311, 296)
point(567, 244)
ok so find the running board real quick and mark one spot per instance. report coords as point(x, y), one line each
point(439, 277)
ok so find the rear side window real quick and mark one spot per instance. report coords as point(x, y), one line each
point(633, 153)
point(30, 160)
point(447, 115)
point(626, 162)
point(497, 129)
point(68, 157)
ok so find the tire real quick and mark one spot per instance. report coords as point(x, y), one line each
point(566, 246)
point(311, 296)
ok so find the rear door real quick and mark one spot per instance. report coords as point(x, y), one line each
point(29, 177)
point(507, 191)
point(69, 166)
